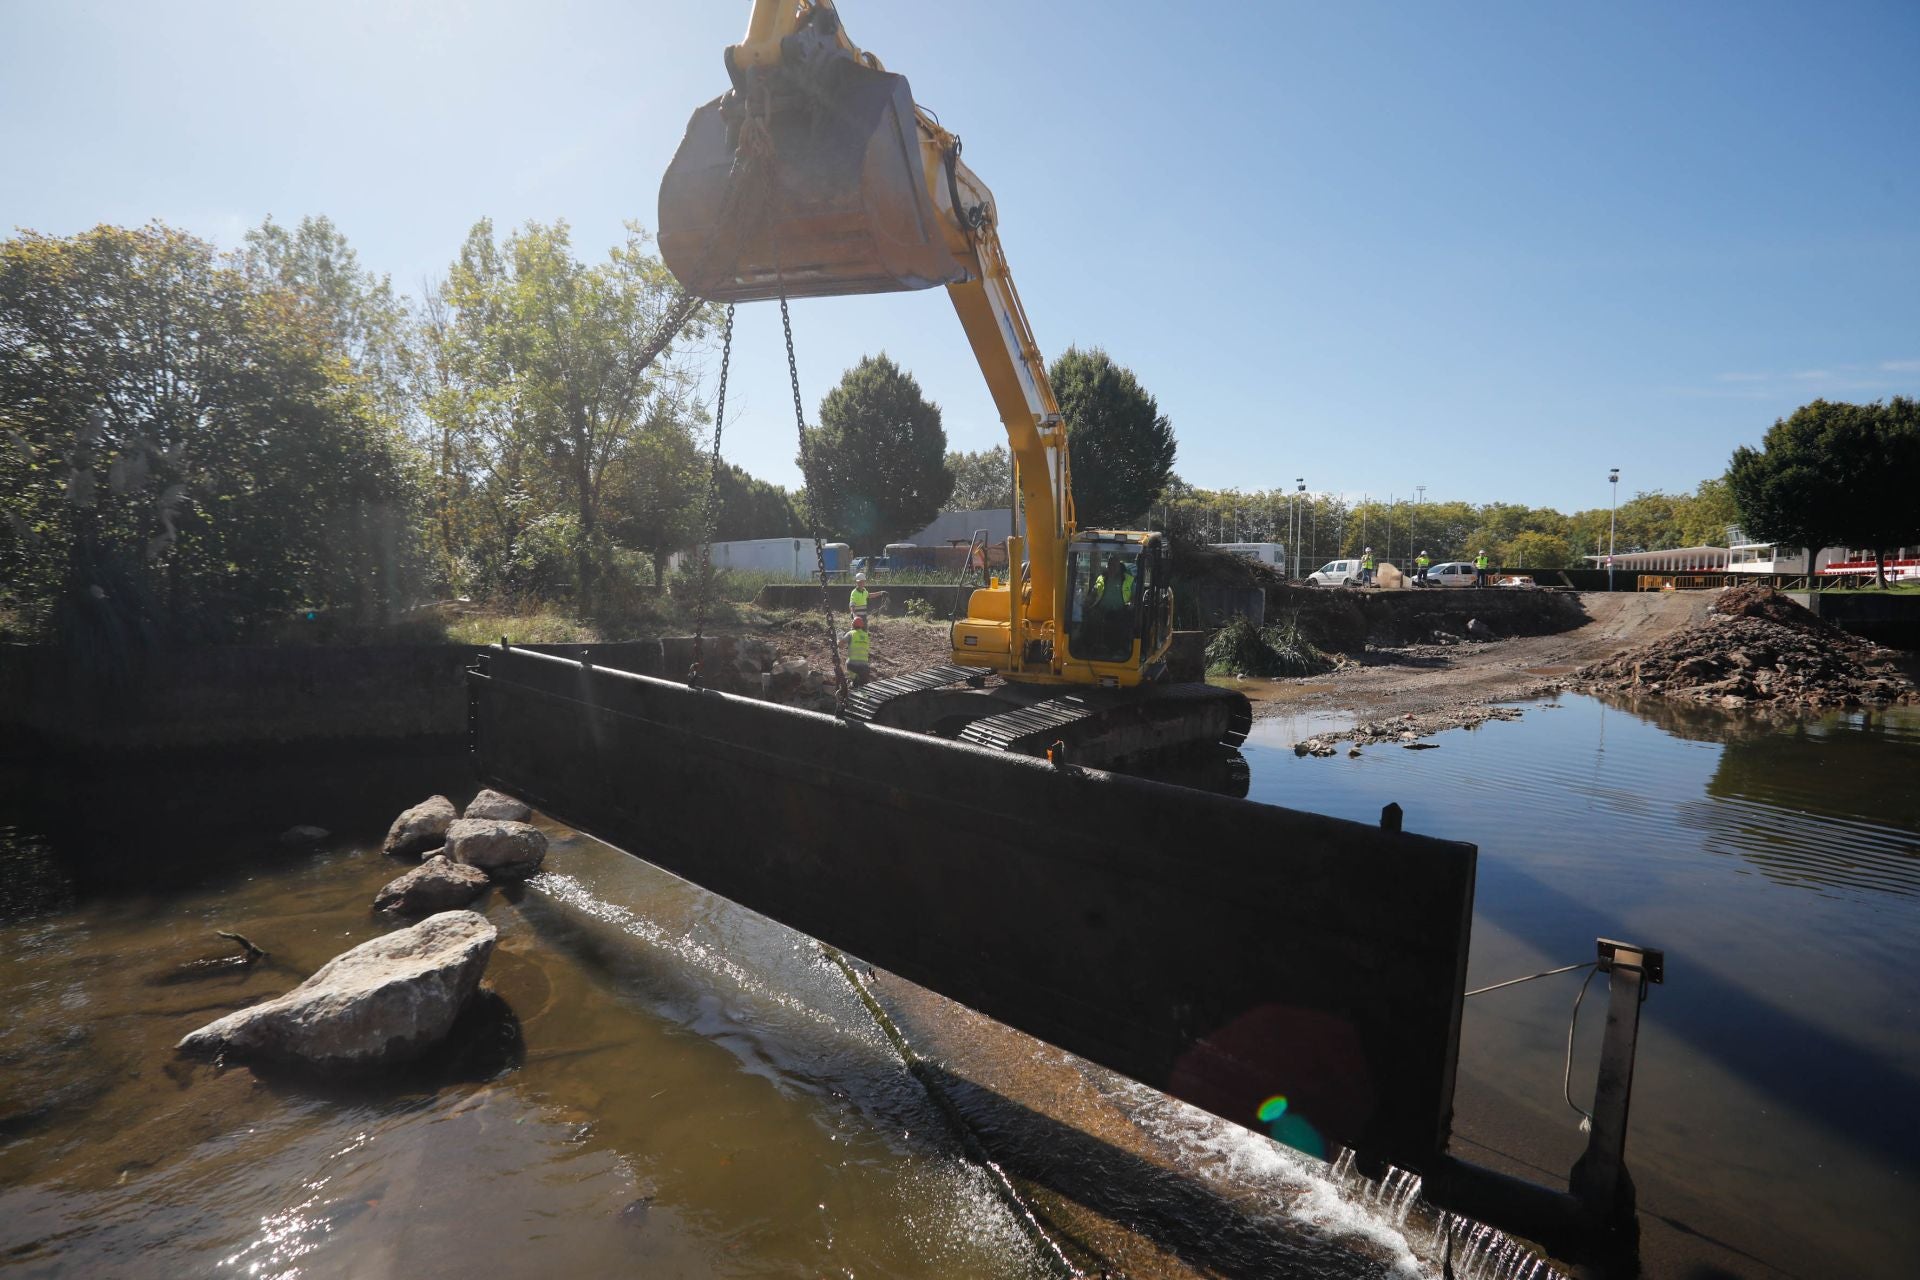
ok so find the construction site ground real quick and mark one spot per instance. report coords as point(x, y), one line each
point(1424, 688)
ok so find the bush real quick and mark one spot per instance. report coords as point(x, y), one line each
point(923, 610)
point(1240, 648)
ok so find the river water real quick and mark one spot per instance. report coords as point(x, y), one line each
point(668, 1085)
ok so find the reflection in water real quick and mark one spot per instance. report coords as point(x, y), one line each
point(1777, 863)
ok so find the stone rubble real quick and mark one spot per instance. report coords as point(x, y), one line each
point(504, 850)
point(438, 884)
point(1757, 650)
point(421, 828)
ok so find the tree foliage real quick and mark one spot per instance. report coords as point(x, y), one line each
point(551, 441)
point(981, 481)
point(753, 508)
point(185, 451)
point(1834, 474)
point(875, 467)
point(1120, 444)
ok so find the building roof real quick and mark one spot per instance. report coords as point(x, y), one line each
point(959, 526)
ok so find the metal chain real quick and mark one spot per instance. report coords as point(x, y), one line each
point(713, 504)
point(813, 516)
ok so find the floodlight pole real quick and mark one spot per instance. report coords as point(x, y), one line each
point(1613, 480)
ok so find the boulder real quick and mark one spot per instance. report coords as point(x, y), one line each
point(420, 828)
point(1480, 630)
point(304, 836)
point(438, 884)
point(385, 1001)
point(495, 804)
point(504, 850)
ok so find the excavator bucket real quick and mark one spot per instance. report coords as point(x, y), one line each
point(832, 198)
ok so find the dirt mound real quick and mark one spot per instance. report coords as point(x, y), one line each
point(1757, 648)
point(1768, 605)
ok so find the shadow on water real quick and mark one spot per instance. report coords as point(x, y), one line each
point(117, 826)
point(1762, 1042)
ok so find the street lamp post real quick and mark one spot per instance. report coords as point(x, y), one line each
point(1299, 523)
point(1613, 507)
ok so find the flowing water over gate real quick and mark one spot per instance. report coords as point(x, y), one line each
point(683, 1088)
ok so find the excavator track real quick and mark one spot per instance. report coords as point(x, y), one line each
point(865, 702)
point(1083, 719)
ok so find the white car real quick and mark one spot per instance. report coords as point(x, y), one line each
point(1454, 573)
point(1336, 573)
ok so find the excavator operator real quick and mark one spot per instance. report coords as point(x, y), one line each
point(1109, 612)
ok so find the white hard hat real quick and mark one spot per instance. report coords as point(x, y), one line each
point(859, 577)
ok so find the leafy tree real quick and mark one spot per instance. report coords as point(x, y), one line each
point(541, 403)
point(981, 481)
point(876, 464)
point(752, 508)
point(183, 453)
point(314, 263)
point(1120, 444)
point(1530, 549)
point(1834, 474)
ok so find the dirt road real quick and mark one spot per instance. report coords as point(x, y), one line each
point(1426, 688)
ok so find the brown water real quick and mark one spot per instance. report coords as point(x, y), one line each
point(663, 1084)
point(667, 1085)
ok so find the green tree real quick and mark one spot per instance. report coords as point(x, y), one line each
point(368, 325)
point(750, 507)
point(1834, 474)
point(183, 451)
point(543, 406)
point(1120, 444)
point(982, 480)
point(876, 465)
point(1530, 549)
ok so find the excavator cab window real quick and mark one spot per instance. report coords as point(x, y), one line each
point(1103, 591)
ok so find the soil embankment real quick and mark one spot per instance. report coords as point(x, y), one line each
point(1422, 688)
point(1757, 650)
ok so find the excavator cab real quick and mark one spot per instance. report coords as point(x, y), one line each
point(808, 177)
point(1116, 599)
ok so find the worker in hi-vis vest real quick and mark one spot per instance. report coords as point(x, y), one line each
point(859, 650)
point(1480, 568)
point(1421, 563)
point(857, 598)
point(1366, 567)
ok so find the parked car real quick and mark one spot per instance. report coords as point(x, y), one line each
point(1336, 573)
point(1454, 573)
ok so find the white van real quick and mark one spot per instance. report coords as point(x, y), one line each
point(1336, 573)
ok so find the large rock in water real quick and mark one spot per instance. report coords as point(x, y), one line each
point(385, 1001)
point(494, 804)
point(438, 884)
point(504, 850)
point(420, 828)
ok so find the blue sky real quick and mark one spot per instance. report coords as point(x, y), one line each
point(1492, 249)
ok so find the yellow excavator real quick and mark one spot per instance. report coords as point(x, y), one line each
point(816, 174)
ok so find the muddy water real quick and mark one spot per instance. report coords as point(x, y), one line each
point(667, 1085)
point(660, 1083)
point(1775, 1122)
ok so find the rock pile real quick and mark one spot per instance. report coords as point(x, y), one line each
point(1757, 649)
point(463, 855)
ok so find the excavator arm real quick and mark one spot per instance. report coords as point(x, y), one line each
point(816, 174)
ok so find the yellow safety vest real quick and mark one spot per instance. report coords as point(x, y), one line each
point(1367, 563)
point(859, 645)
point(1422, 562)
point(1480, 561)
point(1126, 589)
point(857, 600)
